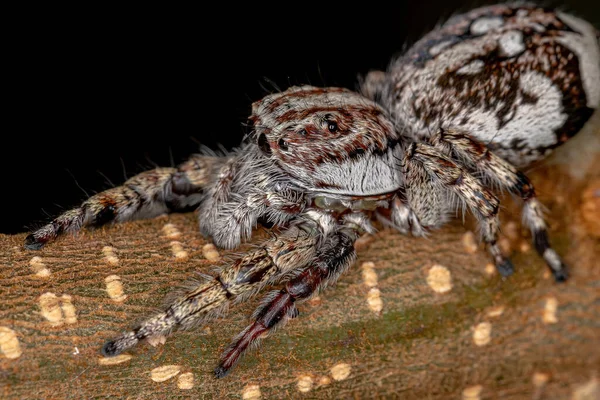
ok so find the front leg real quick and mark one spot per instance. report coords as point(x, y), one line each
point(439, 181)
point(274, 260)
point(333, 257)
point(145, 195)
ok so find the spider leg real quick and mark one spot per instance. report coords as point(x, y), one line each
point(401, 217)
point(238, 217)
point(424, 166)
point(145, 195)
point(333, 257)
point(505, 175)
point(277, 258)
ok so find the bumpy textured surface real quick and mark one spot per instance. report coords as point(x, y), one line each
point(424, 320)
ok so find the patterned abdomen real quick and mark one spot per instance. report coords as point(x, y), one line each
point(520, 78)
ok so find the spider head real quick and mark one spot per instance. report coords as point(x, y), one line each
point(329, 140)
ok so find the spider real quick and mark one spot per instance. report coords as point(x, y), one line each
point(451, 121)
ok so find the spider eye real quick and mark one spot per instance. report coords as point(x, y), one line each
point(332, 126)
point(302, 132)
point(263, 144)
point(283, 145)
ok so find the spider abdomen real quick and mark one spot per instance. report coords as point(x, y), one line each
point(520, 78)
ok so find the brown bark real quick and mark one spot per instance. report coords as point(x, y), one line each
point(421, 345)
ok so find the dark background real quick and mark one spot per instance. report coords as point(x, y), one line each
point(96, 95)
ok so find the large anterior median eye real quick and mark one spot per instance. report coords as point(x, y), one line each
point(332, 126)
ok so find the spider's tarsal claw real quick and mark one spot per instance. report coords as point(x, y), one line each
point(555, 263)
point(562, 274)
point(31, 243)
point(221, 372)
point(110, 349)
point(505, 267)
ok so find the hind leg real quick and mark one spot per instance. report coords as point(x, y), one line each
point(145, 195)
point(445, 182)
point(476, 155)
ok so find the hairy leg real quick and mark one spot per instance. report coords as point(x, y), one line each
point(476, 155)
point(334, 256)
point(424, 165)
point(276, 259)
point(145, 195)
point(238, 217)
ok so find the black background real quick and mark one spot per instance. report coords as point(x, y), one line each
point(95, 95)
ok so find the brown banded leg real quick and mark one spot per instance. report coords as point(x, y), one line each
point(476, 155)
point(423, 159)
point(278, 258)
point(334, 256)
point(145, 195)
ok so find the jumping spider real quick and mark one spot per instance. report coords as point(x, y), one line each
point(488, 92)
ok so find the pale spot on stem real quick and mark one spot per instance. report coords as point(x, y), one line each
point(171, 232)
point(370, 279)
point(68, 309)
point(38, 267)
point(251, 392)
point(439, 279)
point(185, 381)
point(114, 288)
point(50, 306)
point(324, 380)
point(472, 392)
point(305, 383)
point(9, 343)
point(550, 311)
point(210, 252)
point(121, 358)
point(164, 373)
point(340, 371)
point(374, 300)
point(368, 273)
point(110, 256)
point(495, 311)
point(482, 333)
point(178, 252)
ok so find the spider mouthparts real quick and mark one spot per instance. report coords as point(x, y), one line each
point(110, 349)
point(221, 372)
point(31, 243)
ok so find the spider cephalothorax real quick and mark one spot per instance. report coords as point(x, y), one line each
point(494, 88)
point(330, 140)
